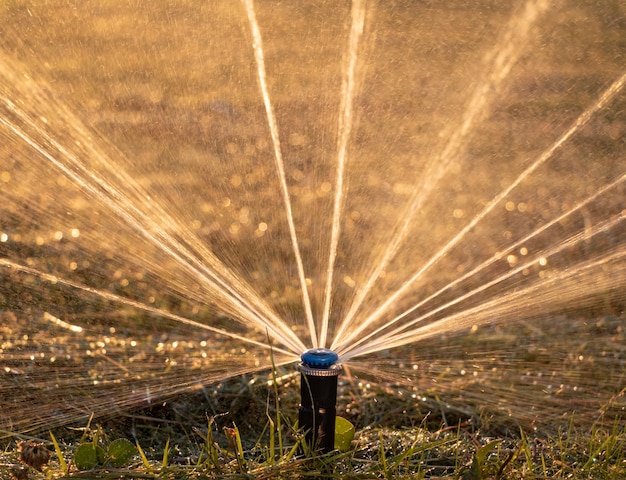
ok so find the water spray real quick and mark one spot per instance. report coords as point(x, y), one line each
point(318, 391)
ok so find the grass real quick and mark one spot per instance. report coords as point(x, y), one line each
point(446, 426)
point(244, 428)
point(457, 451)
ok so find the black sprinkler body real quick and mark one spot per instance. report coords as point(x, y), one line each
point(318, 396)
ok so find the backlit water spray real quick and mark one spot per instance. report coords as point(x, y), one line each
point(431, 192)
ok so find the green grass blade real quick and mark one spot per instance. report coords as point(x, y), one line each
point(143, 457)
point(276, 397)
point(57, 449)
point(383, 456)
point(271, 454)
point(239, 452)
point(166, 453)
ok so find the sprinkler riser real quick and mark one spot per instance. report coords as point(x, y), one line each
point(318, 394)
point(316, 416)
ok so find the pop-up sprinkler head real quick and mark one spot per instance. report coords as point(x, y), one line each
point(318, 392)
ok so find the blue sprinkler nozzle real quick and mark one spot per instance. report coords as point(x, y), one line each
point(321, 358)
point(318, 390)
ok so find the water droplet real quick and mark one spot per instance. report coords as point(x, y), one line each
point(236, 180)
point(231, 148)
point(325, 188)
point(244, 216)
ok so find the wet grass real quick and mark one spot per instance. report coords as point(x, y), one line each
point(222, 447)
point(532, 410)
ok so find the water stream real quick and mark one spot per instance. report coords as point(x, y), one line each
point(185, 187)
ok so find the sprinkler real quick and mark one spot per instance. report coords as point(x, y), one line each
point(318, 392)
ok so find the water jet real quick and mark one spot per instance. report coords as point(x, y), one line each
point(388, 174)
point(319, 371)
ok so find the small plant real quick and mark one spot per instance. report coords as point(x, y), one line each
point(100, 453)
point(91, 455)
point(477, 470)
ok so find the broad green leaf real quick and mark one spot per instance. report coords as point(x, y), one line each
point(85, 457)
point(120, 452)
